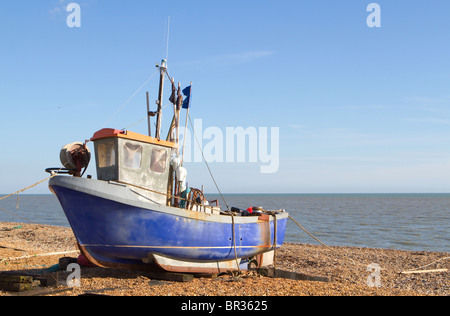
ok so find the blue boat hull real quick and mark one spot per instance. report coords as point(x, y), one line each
point(115, 229)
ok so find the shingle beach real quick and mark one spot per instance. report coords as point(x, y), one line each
point(348, 268)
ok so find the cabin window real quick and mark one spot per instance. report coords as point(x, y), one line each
point(159, 158)
point(133, 155)
point(106, 155)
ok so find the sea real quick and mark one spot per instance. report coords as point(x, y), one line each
point(416, 222)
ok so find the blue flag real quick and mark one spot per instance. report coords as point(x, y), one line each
point(187, 102)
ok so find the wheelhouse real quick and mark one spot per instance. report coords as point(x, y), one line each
point(135, 159)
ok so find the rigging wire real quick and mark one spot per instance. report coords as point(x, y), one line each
point(207, 165)
point(141, 120)
point(132, 97)
point(134, 124)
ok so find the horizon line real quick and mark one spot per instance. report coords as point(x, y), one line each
point(285, 193)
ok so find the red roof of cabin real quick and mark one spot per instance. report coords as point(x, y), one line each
point(109, 132)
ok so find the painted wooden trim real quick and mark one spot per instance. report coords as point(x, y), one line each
point(109, 132)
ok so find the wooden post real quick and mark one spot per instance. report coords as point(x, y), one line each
point(148, 116)
point(169, 134)
point(178, 109)
point(174, 119)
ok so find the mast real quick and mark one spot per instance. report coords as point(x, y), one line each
point(162, 69)
point(185, 127)
point(148, 116)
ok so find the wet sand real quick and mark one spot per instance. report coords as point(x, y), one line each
point(346, 266)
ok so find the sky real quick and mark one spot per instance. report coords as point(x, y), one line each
point(359, 109)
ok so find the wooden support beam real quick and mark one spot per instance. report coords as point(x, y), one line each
point(16, 287)
point(16, 279)
point(425, 271)
point(17, 283)
point(165, 276)
point(42, 292)
point(277, 273)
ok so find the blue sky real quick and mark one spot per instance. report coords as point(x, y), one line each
point(359, 109)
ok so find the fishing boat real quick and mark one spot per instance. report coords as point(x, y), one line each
point(140, 214)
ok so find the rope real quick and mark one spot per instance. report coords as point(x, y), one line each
point(234, 242)
point(141, 120)
point(128, 127)
point(357, 263)
point(29, 187)
point(20, 191)
point(275, 224)
point(308, 232)
point(207, 165)
point(229, 213)
point(169, 196)
point(446, 258)
point(41, 255)
point(11, 213)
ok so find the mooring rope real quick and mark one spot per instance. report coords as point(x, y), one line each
point(275, 224)
point(234, 241)
point(41, 255)
point(29, 187)
point(361, 264)
point(425, 266)
point(21, 217)
point(304, 229)
point(23, 190)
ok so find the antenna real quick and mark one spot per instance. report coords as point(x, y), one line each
point(168, 38)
